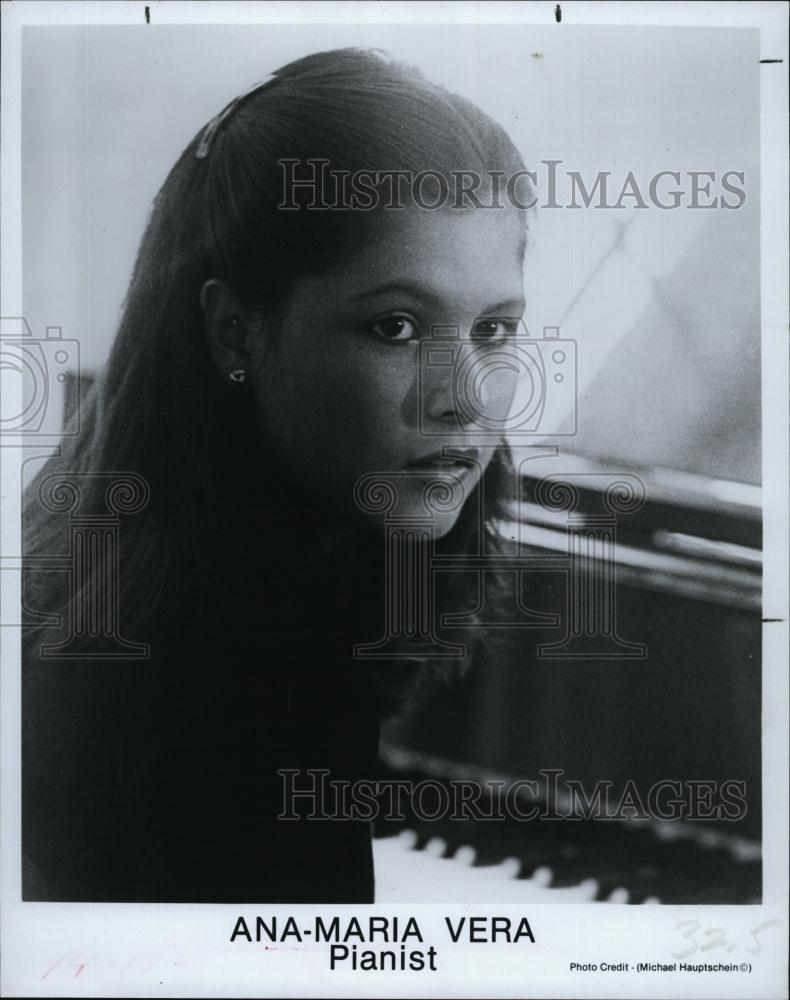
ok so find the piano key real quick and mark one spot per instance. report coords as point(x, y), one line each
point(588, 889)
point(465, 855)
point(510, 868)
point(408, 838)
point(542, 876)
point(406, 875)
point(652, 861)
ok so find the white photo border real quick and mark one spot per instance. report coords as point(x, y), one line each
point(189, 946)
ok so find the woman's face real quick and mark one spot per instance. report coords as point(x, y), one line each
point(379, 364)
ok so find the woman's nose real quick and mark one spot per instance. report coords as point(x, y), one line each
point(467, 384)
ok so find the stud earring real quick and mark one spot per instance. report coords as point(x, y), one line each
point(239, 376)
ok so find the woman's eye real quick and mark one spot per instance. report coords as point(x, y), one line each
point(396, 328)
point(494, 329)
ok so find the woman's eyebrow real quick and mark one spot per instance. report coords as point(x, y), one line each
point(515, 305)
point(409, 287)
point(511, 307)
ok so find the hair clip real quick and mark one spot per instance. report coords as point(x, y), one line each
point(219, 120)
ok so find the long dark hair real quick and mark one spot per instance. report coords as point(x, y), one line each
point(159, 409)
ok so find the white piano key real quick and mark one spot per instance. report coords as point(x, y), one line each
point(618, 895)
point(465, 855)
point(436, 847)
point(542, 876)
point(509, 868)
point(405, 875)
point(407, 839)
point(588, 888)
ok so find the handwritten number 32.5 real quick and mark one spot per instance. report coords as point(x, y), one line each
point(717, 936)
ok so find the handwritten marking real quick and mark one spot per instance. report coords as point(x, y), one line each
point(53, 966)
point(719, 938)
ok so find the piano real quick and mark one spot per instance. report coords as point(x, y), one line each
point(677, 696)
point(558, 861)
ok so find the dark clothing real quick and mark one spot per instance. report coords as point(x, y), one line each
point(157, 780)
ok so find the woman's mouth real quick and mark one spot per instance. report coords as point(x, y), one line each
point(448, 460)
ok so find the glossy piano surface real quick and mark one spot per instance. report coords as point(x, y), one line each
point(684, 704)
point(563, 860)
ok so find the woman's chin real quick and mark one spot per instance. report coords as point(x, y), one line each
point(414, 525)
point(444, 524)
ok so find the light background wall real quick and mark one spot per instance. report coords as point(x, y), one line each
point(668, 331)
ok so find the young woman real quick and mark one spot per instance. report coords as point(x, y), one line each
point(268, 385)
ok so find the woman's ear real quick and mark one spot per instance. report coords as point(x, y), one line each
point(232, 332)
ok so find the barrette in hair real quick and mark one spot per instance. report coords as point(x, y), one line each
point(217, 122)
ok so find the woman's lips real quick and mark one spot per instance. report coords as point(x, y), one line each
point(462, 460)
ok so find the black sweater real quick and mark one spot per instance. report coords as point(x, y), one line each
point(158, 780)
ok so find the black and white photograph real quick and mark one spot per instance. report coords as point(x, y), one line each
point(394, 454)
